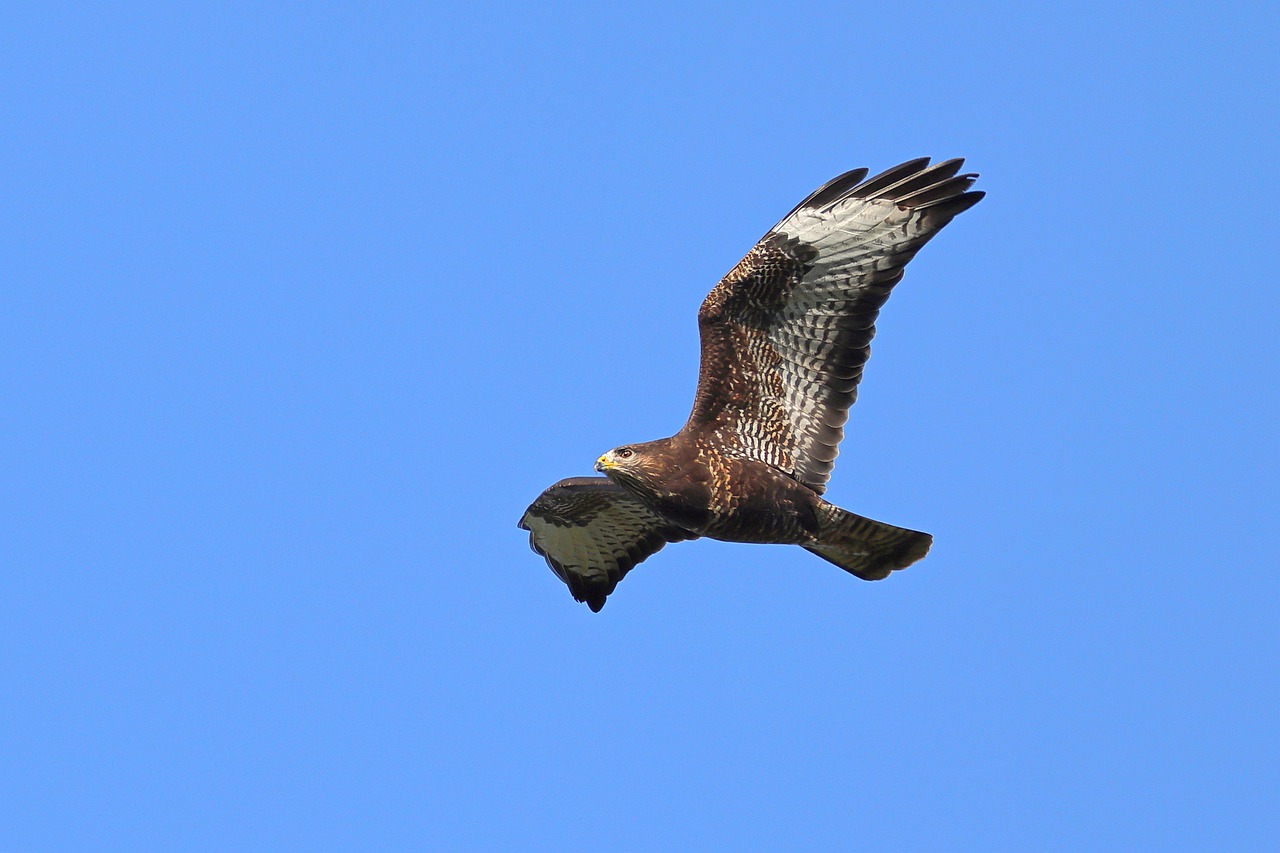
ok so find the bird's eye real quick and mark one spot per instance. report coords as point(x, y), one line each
point(626, 453)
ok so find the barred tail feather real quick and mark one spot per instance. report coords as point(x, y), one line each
point(866, 548)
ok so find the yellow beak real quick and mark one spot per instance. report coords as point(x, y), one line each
point(604, 463)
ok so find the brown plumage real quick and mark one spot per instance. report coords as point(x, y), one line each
point(785, 336)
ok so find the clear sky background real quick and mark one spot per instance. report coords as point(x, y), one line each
point(300, 306)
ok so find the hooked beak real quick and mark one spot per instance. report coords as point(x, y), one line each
point(604, 463)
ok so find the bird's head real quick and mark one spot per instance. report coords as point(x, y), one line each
point(637, 465)
point(621, 461)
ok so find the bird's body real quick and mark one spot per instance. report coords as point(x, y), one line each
point(784, 336)
point(702, 490)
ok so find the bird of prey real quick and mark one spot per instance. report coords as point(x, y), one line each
point(784, 339)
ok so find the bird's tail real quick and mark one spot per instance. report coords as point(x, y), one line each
point(866, 548)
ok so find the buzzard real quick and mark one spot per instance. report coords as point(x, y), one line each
point(784, 338)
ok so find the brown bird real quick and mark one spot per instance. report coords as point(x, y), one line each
point(784, 336)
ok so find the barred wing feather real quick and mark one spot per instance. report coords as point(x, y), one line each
point(786, 333)
point(592, 533)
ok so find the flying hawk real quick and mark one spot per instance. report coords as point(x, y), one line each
point(784, 336)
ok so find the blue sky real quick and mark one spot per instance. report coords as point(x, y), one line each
point(302, 305)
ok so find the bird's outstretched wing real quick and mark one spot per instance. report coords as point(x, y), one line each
point(786, 333)
point(592, 532)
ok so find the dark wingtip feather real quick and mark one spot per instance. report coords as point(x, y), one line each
point(832, 190)
point(930, 192)
point(920, 180)
point(595, 604)
point(913, 184)
point(836, 187)
point(889, 177)
point(954, 205)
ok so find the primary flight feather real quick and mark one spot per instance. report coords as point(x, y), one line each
point(785, 336)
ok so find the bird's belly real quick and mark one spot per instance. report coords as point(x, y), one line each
point(680, 510)
point(760, 523)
